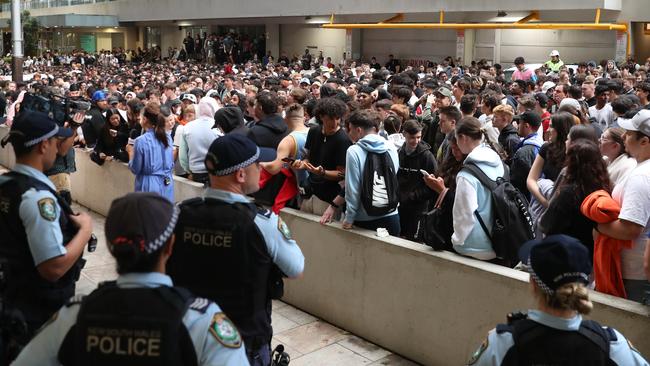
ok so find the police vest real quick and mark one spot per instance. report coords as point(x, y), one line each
point(24, 284)
point(538, 344)
point(130, 326)
point(220, 254)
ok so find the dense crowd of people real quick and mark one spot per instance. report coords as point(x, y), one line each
point(380, 148)
point(466, 159)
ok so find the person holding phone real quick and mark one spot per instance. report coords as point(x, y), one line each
point(112, 140)
point(290, 149)
point(415, 160)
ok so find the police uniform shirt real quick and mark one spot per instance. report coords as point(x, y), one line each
point(494, 349)
point(39, 212)
point(43, 349)
point(283, 250)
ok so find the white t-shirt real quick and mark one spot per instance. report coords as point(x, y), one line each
point(604, 116)
point(633, 193)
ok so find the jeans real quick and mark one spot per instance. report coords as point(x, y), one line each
point(390, 223)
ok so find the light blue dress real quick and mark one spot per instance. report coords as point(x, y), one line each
point(153, 165)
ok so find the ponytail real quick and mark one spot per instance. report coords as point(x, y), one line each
point(493, 145)
point(157, 120)
point(572, 296)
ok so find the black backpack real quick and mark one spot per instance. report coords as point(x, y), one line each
point(379, 188)
point(512, 225)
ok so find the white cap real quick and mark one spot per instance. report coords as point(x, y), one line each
point(547, 85)
point(554, 53)
point(572, 102)
point(640, 122)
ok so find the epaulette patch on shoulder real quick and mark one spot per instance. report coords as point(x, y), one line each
point(76, 299)
point(200, 304)
point(264, 212)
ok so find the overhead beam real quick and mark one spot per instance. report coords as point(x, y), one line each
point(394, 19)
point(533, 16)
point(559, 26)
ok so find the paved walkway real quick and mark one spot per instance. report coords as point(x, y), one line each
point(307, 339)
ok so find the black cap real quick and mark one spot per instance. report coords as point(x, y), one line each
point(530, 117)
point(231, 152)
point(36, 127)
point(555, 261)
point(542, 99)
point(142, 219)
point(229, 118)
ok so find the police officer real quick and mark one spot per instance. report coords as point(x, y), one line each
point(140, 319)
point(555, 333)
point(231, 251)
point(42, 239)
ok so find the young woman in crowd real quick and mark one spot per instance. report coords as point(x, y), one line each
point(612, 146)
point(150, 157)
point(445, 185)
point(472, 198)
point(112, 140)
point(550, 160)
point(585, 173)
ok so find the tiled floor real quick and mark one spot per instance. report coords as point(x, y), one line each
point(307, 339)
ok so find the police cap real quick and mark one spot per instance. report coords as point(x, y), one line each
point(232, 152)
point(555, 261)
point(35, 127)
point(143, 219)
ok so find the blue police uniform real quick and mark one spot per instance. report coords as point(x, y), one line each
point(211, 346)
point(496, 346)
point(283, 250)
point(40, 214)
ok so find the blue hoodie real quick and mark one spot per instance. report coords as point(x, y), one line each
point(469, 238)
point(355, 160)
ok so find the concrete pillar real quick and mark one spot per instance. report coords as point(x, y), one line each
point(273, 39)
point(470, 40)
point(356, 44)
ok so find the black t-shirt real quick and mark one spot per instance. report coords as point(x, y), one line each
point(550, 170)
point(329, 152)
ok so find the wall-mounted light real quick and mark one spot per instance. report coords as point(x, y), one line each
point(646, 28)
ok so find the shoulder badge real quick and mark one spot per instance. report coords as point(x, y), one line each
point(200, 304)
point(284, 229)
point(478, 352)
point(224, 331)
point(47, 209)
point(264, 212)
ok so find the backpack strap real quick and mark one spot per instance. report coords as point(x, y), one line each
point(595, 333)
point(474, 170)
point(483, 226)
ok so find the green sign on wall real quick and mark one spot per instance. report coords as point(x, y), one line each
point(88, 43)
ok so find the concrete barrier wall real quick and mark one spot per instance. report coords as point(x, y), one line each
point(432, 307)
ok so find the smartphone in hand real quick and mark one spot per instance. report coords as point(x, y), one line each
point(424, 172)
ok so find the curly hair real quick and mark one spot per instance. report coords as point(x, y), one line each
point(586, 168)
